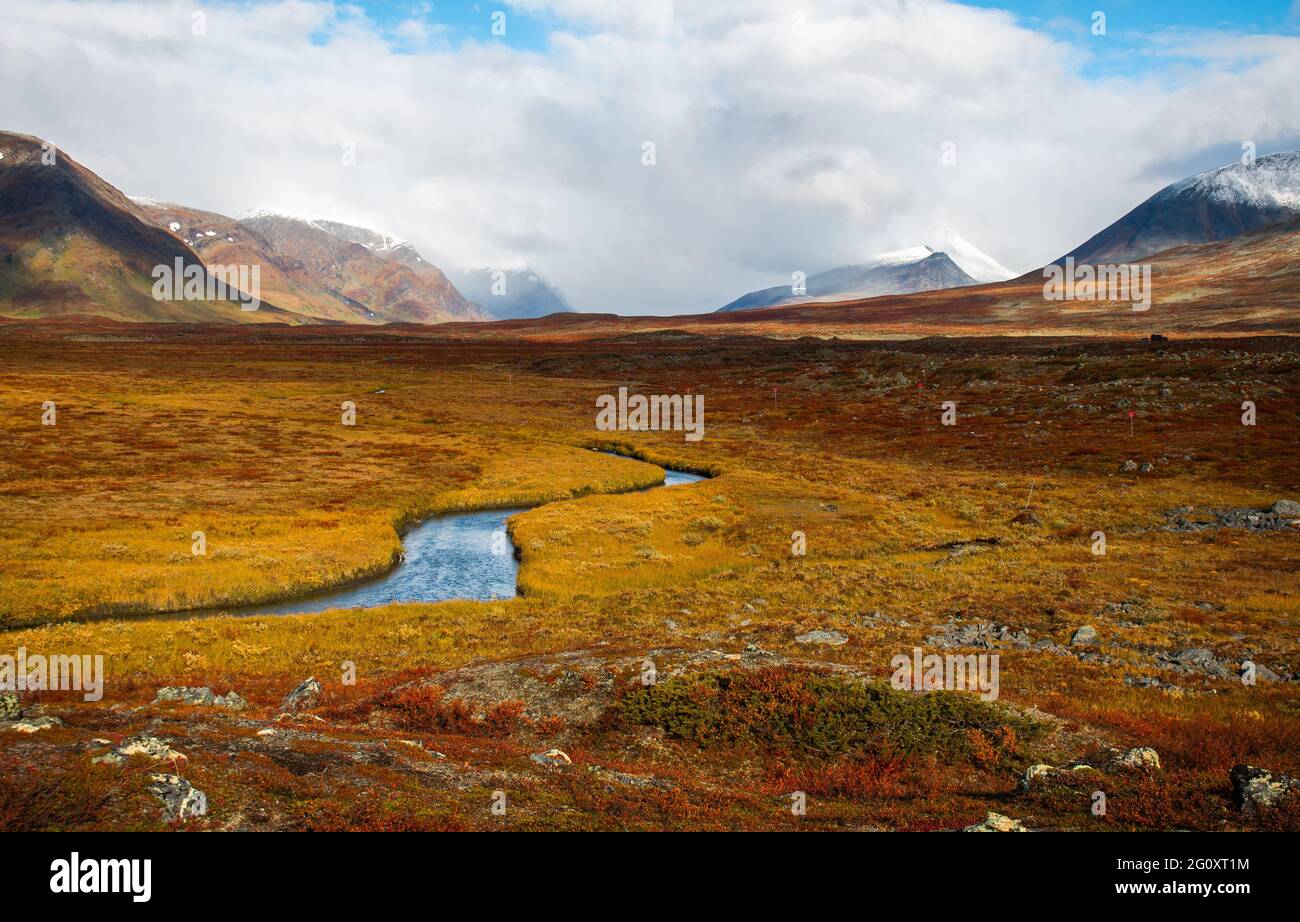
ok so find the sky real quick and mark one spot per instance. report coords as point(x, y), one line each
point(787, 136)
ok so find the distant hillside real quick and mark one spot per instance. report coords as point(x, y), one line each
point(899, 272)
point(70, 243)
point(380, 277)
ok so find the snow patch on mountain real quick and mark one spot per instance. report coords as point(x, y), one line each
point(1272, 181)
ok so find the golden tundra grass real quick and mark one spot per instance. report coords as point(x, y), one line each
point(244, 441)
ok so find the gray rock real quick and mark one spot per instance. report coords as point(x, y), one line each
point(1287, 508)
point(1199, 659)
point(1257, 788)
point(1143, 759)
point(184, 694)
point(231, 701)
point(828, 638)
point(1128, 467)
point(202, 697)
point(304, 696)
point(181, 800)
point(9, 707)
point(1085, 636)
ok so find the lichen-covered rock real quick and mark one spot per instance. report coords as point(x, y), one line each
point(201, 697)
point(10, 709)
point(181, 800)
point(231, 701)
point(1257, 788)
point(1143, 759)
point(996, 822)
point(826, 638)
point(34, 724)
point(148, 746)
point(185, 695)
point(304, 696)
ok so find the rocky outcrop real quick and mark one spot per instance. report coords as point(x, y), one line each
point(1280, 516)
point(181, 800)
point(305, 695)
point(203, 697)
point(825, 638)
point(996, 822)
point(1255, 789)
point(148, 746)
point(34, 724)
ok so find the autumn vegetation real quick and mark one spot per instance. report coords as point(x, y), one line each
point(240, 438)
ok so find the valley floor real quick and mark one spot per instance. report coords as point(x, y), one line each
point(671, 662)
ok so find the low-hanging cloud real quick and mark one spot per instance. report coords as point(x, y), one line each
point(784, 139)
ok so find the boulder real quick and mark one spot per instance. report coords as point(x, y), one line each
point(1128, 467)
point(304, 696)
point(1257, 788)
point(148, 746)
point(1085, 636)
point(231, 701)
point(1143, 759)
point(826, 638)
point(1287, 508)
point(202, 697)
point(996, 822)
point(185, 695)
point(32, 725)
point(181, 800)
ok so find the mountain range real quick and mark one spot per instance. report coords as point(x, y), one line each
point(921, 268)
point(71, 244)
point(1211, 206)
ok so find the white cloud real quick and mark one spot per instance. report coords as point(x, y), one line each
point(781, 143)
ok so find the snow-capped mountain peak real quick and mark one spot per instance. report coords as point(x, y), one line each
point(1271, 181)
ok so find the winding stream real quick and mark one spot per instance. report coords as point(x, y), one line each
point(462, 555)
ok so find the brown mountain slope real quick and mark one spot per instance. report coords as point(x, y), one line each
point(221, 240)
point(391, 290)
point(70, 243)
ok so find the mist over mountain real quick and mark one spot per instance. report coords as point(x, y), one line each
point(511, 292)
